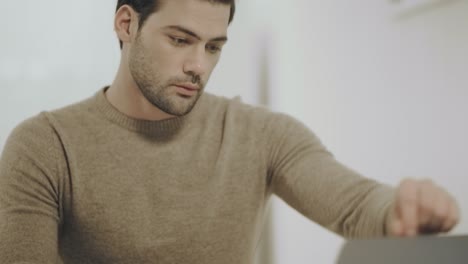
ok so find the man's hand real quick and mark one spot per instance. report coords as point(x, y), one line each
point(421, 207)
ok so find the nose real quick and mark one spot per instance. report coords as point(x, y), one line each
point(196, 64)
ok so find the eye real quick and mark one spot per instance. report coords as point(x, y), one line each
point(176, 41)
point(213, 49)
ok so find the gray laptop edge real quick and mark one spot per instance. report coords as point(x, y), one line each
point(419, 250)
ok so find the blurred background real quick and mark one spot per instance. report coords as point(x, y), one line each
point(383, 83)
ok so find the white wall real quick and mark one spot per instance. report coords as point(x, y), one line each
point(53, 53)
point(386, 90)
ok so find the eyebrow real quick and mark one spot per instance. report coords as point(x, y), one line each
point(193, 34)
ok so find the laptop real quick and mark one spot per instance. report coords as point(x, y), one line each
point(418, 250)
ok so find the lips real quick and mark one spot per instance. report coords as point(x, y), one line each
point(189, 87)
point(187, 90)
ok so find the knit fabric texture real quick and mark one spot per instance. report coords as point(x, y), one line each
point(88, 184)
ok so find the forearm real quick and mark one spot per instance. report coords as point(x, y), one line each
point(367, 217)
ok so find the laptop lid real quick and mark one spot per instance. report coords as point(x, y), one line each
point(419, 250)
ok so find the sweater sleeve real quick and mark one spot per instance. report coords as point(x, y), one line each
point(307, 177)
point(29, 194)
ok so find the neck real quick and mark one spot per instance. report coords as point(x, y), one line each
point(126, 97)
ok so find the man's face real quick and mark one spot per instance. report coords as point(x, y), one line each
point(175, 52)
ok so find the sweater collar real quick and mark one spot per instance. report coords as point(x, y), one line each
point(163, 128)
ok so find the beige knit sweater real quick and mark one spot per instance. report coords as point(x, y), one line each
point(87, 184)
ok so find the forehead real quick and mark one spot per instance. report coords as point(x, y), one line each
point(204, 17)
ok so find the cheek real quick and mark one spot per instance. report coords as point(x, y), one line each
point(212, 65)
point(166, 64)
point(160, 53)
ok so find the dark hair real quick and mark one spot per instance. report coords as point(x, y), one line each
point(146, 7)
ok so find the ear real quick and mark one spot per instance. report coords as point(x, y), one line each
point(126, 23)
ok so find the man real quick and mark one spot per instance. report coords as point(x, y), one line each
point(154, 170)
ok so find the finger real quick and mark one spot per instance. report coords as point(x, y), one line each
point(453, 216)
point(425, 205)
point(435, 206)
point(407, 199)
point(396, 228)
point(441, 210)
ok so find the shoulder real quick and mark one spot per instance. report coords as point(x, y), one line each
point(234, 107)
point(40, 135)
point(254, 118)
point(33, 148)
point(28, 131)
point(41, 130)
point(33, 136)
point(72, 111)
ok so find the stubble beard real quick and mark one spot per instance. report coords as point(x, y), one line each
point(156, 92)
